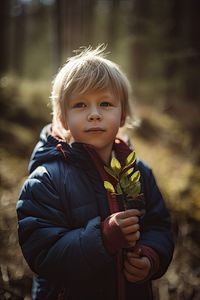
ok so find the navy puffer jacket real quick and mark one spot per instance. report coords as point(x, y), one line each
point(60, 210)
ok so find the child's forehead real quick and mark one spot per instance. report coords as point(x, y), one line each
point(108, 93)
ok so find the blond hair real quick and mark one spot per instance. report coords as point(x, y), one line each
point(88, 71)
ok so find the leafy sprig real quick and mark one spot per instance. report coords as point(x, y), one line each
point(128, 180)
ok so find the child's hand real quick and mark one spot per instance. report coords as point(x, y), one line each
point(128, 222)
point(136, 268)
point(121, 230)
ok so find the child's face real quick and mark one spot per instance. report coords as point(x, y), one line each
point(94, 119)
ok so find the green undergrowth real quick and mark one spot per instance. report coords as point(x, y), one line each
point(25, 109)
point(24, 101)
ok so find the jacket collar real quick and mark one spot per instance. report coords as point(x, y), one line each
point(50, 148)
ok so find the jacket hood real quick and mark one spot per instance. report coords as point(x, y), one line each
point(49, 148)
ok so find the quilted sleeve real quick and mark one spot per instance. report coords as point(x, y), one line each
point(50, 246)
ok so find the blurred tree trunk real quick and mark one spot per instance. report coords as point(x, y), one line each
point(19, 38)
point(89, 21)
point(183, 41)
point(190, 72)
point(172, 36)
point(112, 34)
point(4, 35)
point(137, 28)
point(192, 63)
point(58, 23)
point(78, 23)
point(73, 27)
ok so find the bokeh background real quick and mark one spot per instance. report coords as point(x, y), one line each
point(157, 44)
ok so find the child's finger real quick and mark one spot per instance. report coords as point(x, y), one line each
point(130, 213)
point(130, 229)
point(142, 263)
point(138, 269)
point(133, 273)
point(132, 238)
point(128, 221)
point(131, 277)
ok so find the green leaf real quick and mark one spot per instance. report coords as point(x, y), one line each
point(134, 190)
point(119, 189)
point(129, 171)
point(125, 182)
point(135, 177)
point(131, 158)
point(109, 187)
point(110, 172)
point(116, 166)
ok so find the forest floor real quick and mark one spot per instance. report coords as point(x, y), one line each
point(156, 142)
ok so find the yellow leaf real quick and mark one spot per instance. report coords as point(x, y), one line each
point(129, 171)
point(135, 177)
point(115, 165)
point(131, 158)
point(109, 187)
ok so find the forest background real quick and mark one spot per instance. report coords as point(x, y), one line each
point(157, 44)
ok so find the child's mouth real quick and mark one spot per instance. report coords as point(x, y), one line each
point(95, 129)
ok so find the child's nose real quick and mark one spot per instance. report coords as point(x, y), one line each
point(94, 115)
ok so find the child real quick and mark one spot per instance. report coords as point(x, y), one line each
point(71, 231)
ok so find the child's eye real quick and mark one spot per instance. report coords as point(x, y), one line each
point(79, 105)
point(106, 104)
